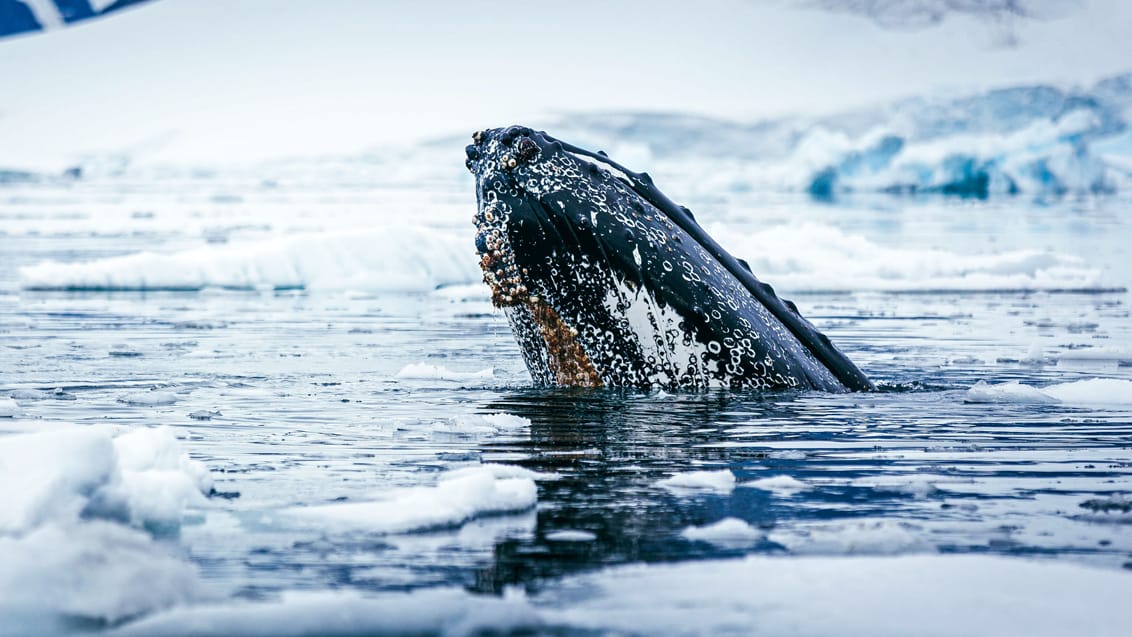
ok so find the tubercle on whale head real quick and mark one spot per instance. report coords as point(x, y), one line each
point(492, 157)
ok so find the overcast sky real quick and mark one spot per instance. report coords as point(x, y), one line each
point(208, 81)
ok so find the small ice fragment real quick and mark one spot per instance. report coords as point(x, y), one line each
point(59, 394)
point(722, 481)
point(570, 535)
point(1103, 391)
point(788, 454)
point(29, 394)
point(784, 486)
point(9, 408)
point(204, 414)
point(424, 371)
point(726, 532)
point(149, 398)
point(1012, 392)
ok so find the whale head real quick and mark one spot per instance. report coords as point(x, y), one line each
point(606, 282)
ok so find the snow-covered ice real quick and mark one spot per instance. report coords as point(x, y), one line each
point(784, 486)
point(64, 550)
point(1093, 391)
point(426, 371)
point(153, 398)
point(721, 481)
point(452, 501)
point(9, 408)
point(757, 595)
point(395, 258)
point(726, 532)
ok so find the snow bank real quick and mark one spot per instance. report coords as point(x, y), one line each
point(722, 481)
point(458, 497)
point(927, 595)
point(400, 258)
point(813, 257)
point(1094, 391)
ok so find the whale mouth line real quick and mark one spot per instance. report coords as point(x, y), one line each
point(607, 282)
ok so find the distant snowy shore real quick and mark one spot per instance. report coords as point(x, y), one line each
point(1036, 140)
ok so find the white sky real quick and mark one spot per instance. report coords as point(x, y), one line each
point(213, 81)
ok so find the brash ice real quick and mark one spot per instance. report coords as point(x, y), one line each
point(607, 282)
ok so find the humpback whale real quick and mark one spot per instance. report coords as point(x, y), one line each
point(608, 283)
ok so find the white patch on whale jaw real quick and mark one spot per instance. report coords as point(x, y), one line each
point(673, 355)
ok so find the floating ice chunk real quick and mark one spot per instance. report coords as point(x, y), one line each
point(971, 595)
point(975, 595)
point(158, 480)
point(437, 611)
point(815, 257)
point(9, 408)
point(722, 481)
point(1115, 508)
point(870, 537)
point(570, 535)
point(500, 471)
point(453, 501)
point(471, 424)
point(394, 258)
point(50, 476)
point(1011, 392)
point(141, 476)
point(149, 398)
point(784, 486)
point(424, 371)
point(97, 571)
point(731, 532)
point(1094, 391)
point(787, 454)
point(29, 394)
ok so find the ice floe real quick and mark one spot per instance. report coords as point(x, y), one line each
point(426, 371)
point(722, 481)
point(570, 535)
point(797, 256)
point(395, 258)
point(785, 486)
point(9, 408)
point(455, 499)
point(728, 532)
point(1093, 391)
point(154, 398)
point(974, 595)
point(74, 511)
point(816, 257)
